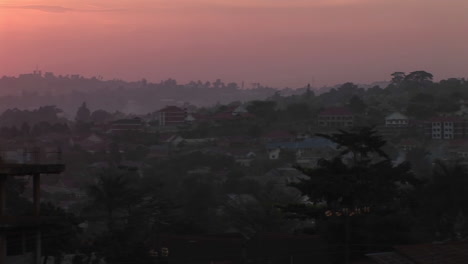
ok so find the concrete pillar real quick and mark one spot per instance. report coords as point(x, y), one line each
point(37, 194)
point(38, 248)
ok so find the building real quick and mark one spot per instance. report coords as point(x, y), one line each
point(308, 151)
point(445, 128)
point(396, 119)
point(171, 116)
point(21, 236)
point(408, 144)
point(336, 117)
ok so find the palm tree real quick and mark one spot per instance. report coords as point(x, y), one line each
point(111, 190)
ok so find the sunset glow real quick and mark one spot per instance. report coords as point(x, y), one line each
point(276, 42)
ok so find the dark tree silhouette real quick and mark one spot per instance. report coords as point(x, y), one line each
point(370, 180)
point(419, 77)
point(83, 114)
point(398, 77)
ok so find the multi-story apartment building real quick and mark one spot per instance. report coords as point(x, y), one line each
point(172, 116)
point(336, 117)
point(446, 128)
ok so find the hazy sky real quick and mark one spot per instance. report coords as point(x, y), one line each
point(275, 42)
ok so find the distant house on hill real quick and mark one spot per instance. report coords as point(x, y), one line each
point(171, 116)
point(396, 119)
point(336, 117)
point(242, 156)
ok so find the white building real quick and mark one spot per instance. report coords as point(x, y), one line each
point(396, 119)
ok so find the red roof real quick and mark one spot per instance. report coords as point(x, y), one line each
point(446, 119)
point(458, 143)
point(333, 111)
point(171, 108)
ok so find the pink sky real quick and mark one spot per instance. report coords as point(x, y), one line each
point(274, 42)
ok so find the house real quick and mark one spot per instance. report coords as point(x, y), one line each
point(125, 125)
point(242, 156)
point(463, 108)
point(171, 116)
point(170, 139)
point(197, 118)
point(396, 119)
point(336, 117)
point(445, 128)
point(307, 151)
point(458, 149)
point(408, 144)
point(274, 154)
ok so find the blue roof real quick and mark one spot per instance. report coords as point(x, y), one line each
point(309, 143)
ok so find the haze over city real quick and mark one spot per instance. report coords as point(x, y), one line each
point(233, 131)
point(280, 43)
